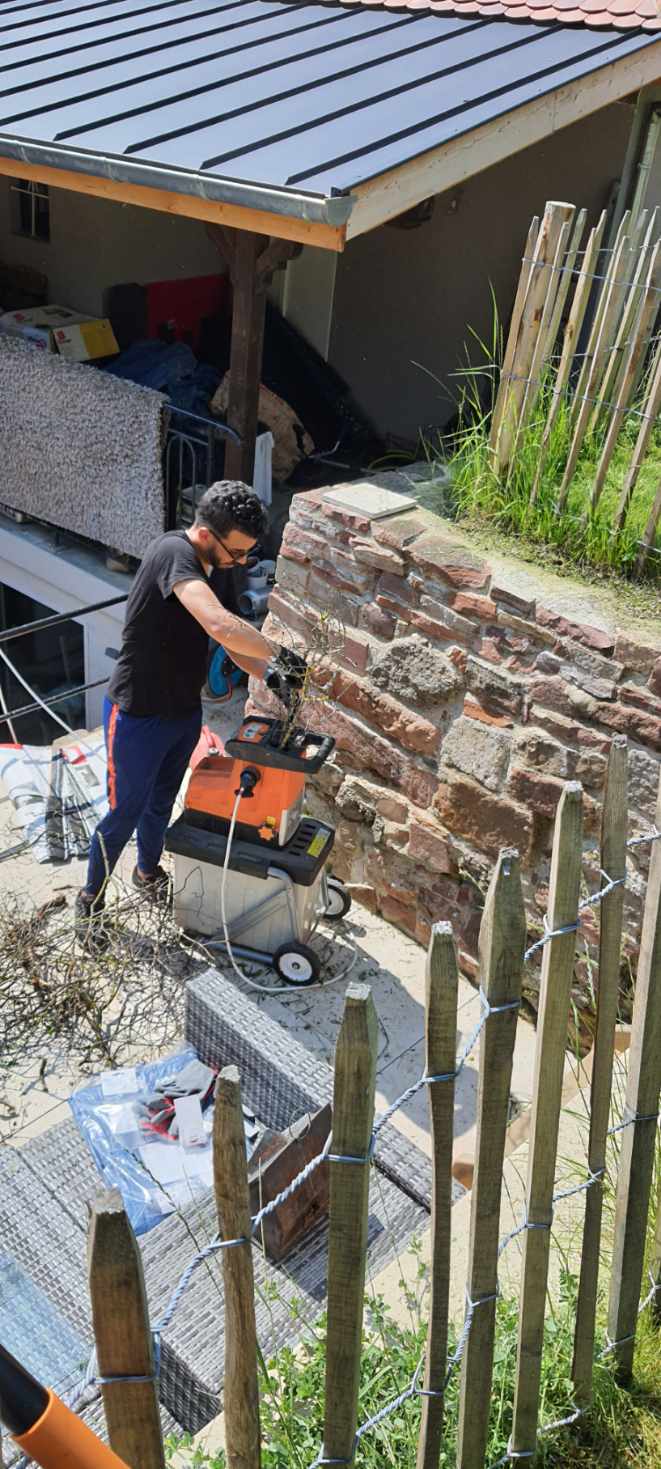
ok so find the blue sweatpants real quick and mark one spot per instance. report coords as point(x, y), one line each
point(147, 760)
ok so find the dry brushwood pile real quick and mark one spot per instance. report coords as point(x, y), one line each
point(60, 1002)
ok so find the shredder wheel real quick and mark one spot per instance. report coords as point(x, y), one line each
point(296, 964)
point(339, 900)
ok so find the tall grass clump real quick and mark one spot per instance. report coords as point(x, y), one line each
point(579, 536)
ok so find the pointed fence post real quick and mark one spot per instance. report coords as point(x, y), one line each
point(353, 1118)
point(614, 864)
point(557, 974)
point(638, 1141)
point(502, 942)
point(124, 1346)
point(441, 1038)
point(542, 281)
point(230, 1171)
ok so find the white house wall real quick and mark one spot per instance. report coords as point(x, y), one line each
point(95, 243)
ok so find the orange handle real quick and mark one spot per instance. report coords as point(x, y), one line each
point(60, 1440)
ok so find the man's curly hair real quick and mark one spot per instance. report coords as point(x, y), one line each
point(231, 505)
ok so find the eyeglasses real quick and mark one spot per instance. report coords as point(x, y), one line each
point(235, 556)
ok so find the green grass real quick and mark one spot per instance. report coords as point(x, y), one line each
point(622, 1429)
point(578, 537)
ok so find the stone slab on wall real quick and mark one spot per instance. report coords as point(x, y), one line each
point(465, 689)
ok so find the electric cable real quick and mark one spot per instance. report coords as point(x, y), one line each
point(34, 695)
point(7, 713)
point(264, 989)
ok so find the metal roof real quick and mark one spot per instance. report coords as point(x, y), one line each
point(308, 98)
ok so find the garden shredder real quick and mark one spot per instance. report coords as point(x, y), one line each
point(250, 867)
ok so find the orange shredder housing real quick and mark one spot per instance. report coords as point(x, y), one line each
point(214, 783)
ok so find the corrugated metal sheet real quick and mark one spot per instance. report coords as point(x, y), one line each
point(309, 97)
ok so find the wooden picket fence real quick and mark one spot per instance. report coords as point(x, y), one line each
point(607, 302)
point(121, 1324)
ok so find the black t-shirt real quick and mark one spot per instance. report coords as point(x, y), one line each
point(163, 660)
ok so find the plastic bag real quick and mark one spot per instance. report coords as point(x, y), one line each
point(107, 1118)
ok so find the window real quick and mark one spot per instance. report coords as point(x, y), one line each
point(31, 209)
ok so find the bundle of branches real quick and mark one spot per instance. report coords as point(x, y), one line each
point(62, 1003)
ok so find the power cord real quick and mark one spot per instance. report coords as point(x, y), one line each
point(264, 989)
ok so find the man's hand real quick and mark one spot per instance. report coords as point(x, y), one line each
point(285, 676)
point(293, 666)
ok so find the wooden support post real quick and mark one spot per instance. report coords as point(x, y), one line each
point(533, 386)
point(248, 311)
point(588, 384)
point(353, 1117)
point(251, 261)
point(607, 285)
point(230, 1173)
point(613, 862)
point(571, 337)
point(638, 1141)
point(441, 1037)
point(502, 942)
point(627, 327)
point(556, 981)
point(124, 1346)
point(565, 280)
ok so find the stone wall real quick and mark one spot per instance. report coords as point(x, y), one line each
point(466, 689)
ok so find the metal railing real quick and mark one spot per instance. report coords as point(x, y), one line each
point(37, 625)
point(190, 455)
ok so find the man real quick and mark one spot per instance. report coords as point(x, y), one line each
point(152, 713)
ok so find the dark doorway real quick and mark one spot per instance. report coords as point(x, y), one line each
point(52, 661)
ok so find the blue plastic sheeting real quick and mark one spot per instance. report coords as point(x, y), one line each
point(316, 98)
point(170, 368)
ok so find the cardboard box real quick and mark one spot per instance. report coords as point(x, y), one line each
point(73, 335)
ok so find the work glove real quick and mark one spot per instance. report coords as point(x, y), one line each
point(285, 676)
point(293, 666)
